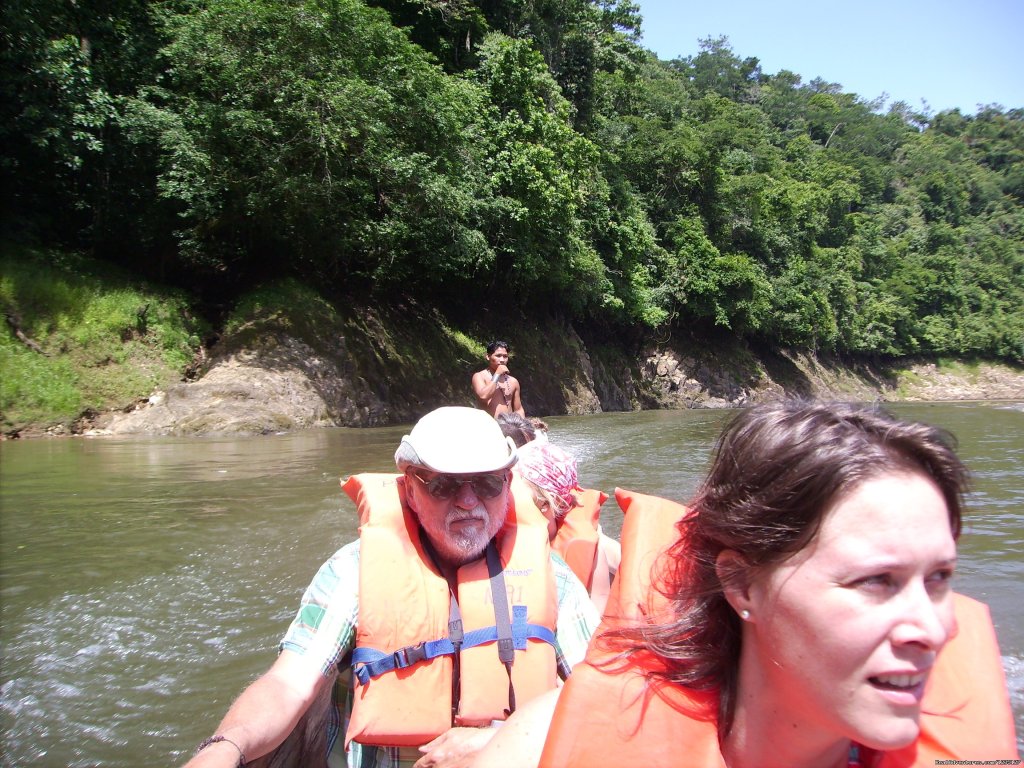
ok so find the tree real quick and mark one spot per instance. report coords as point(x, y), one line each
point(313, 138)
point(540, 176)
point(716, 69)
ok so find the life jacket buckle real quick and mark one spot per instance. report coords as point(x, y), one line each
point(411, 654)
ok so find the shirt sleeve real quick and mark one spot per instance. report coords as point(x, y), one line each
point(324, 627)
point(577, 616)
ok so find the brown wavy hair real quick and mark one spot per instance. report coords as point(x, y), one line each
point(777, 469)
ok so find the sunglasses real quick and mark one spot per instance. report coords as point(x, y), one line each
point(446, 486)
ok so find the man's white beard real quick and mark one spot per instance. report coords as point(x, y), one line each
point(464, 545)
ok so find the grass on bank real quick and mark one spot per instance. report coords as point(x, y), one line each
point(103, 340)
point(285, 304)
point(413, 335)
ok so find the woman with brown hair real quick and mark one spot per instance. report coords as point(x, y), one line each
point(800, 613)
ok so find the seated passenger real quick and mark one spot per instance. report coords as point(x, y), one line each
point(799, 614)
point(519, 428)
point(573, 517)
point(448, 612)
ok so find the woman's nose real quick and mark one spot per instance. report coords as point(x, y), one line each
point(926, 619)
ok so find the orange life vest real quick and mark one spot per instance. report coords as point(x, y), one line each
point(606, 718)
point(403, 661)
point(577, 536)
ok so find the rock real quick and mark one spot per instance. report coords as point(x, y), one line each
point(279, 387)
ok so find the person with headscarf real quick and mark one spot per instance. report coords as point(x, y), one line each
point(573, 515)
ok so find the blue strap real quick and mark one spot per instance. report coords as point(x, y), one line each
point(368, 663)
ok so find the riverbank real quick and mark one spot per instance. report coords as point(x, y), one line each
point(94, 354)
point(373, 367)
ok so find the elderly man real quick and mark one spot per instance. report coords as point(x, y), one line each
point(448, 611)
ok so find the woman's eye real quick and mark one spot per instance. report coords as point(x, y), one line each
point(941, 577)
point(876, 581)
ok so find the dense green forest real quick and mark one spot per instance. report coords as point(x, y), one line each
point(528, 152)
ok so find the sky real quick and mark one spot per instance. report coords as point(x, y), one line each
point(947, 53)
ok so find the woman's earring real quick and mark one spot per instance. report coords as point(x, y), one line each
point(745, 614)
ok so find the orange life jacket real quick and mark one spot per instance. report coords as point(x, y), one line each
point(607, 718)
point(577, 536)
point(403, 661)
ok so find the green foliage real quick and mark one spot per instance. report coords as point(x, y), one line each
point(49, 105)
point(64, 175)
point(286, 305)
point(446, 28)
point(464, 154)
point(716, 69)
point(730, 289)
point(90, 339)
point(540, 175)
point(35, 389)
point(310, 138)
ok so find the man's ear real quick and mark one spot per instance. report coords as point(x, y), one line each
point(733, 572)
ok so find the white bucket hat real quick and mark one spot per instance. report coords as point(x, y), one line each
point(460, 441)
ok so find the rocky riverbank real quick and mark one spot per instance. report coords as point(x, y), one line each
point(373, 367)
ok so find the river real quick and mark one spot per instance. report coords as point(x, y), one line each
point(145, 582)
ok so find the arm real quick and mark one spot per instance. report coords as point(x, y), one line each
point(520, 741)
point(485, 384)
point(322, 632)
point(612, 551)
point(577, 616)
point(517, 404)
point(266, 712)
point(455, 748)
point(609, 553)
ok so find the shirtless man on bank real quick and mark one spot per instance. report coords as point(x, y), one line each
point(496, 390)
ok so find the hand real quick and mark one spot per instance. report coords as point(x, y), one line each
point(455, 748)
point(501, 370)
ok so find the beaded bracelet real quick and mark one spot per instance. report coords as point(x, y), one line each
point(214, 740)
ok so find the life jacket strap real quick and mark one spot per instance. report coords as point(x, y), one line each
point(368, 663)
point(510, 633)
point(499, 596)
point(457, 636)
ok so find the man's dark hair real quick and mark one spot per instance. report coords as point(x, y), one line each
point(494, 346)
point(517, 427)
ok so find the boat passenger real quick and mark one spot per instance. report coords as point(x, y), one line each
point(573, 515)
point(800, 613)
point(448, 612)
point(519, 428)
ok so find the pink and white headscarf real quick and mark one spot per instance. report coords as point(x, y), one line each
point(550, 468)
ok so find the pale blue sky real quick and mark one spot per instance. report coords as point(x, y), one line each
point(949, 53)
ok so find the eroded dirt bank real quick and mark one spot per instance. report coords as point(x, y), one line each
point(378, 368)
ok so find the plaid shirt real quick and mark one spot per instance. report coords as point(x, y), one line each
point(325, 628)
